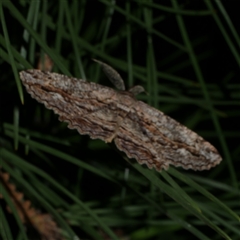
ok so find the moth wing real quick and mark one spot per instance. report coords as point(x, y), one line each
point(157, 140)
point(87, 107)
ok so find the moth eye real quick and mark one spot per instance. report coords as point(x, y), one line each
point(144, 131)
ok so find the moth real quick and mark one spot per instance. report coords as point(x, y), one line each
point(139, 130)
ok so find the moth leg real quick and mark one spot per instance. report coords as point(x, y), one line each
point(136, 90)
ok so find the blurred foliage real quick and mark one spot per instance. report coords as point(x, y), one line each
point(185, 54)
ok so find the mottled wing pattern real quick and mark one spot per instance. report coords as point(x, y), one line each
point(157, 140)
point(142, 132)
point(86, 106)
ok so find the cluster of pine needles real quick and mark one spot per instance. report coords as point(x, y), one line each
point(57, 184)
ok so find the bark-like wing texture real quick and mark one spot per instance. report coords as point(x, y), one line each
point(141, 131)
point(157, 140)
point(86, 106)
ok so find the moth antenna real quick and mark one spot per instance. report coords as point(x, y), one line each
point(112, 75)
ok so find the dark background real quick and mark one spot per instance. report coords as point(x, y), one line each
point(167, 73)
